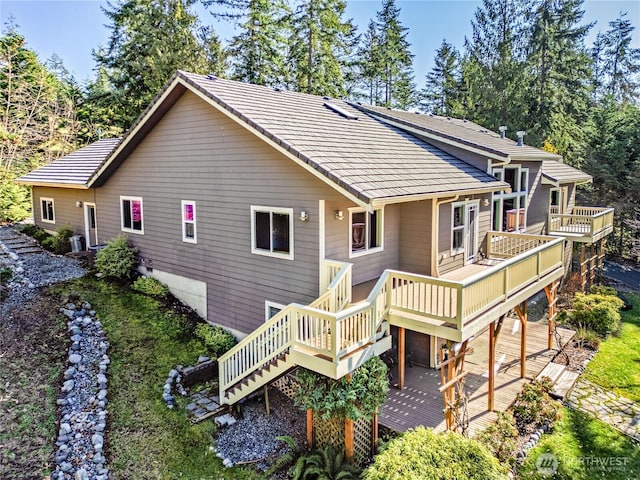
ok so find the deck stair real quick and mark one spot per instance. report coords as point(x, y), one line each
point(266, 374)
point(563, 380)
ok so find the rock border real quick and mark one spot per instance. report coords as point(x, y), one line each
point(83, 399)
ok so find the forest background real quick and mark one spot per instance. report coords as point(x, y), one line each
point(526, 65)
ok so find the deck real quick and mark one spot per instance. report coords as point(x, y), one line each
point(420, 402)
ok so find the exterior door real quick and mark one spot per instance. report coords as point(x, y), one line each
point(90, 225)
point(471, 232)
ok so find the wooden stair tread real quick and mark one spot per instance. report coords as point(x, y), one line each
point(553, 371)
point(565, 384)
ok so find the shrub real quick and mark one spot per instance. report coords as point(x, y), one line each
point(325, 464)
point(534, 406)
point(15, 202)
point(359, 397)
point(285, 460)
point(500, 437)
point(34, 231)
point(420, 453)
point(117, 259)
point(217, 340)
point(5, 275)
point(150, 286)
point(602, 290)
point(597, 312)
point(587, 338)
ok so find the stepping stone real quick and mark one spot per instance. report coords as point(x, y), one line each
point(191, 407)
point(564, 384)
point(225, 420)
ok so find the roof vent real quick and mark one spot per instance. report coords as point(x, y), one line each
point(326, 98)
point(520, 134)
point(340, 111)
point(502, 129)
point(277, 89)
point(211, 76)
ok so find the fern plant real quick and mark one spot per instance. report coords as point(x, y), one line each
point(288, 458)
point(325, 464)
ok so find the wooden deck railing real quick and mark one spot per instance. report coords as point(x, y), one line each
point(589, 222)
point(337, 276)
point(334, 335)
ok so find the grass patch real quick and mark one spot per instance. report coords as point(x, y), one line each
point(585, 449)
point(146, 440)
point(616, 367)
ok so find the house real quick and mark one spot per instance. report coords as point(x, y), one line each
point(319, 229)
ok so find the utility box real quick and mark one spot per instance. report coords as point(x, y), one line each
point(76, 243)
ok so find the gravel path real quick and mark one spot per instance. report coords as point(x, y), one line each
point(30, 271)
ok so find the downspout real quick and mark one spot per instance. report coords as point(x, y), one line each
point(435, 227)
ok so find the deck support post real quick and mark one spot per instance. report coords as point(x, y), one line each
point(401, 357)
point(521, 311)
point(266, 399)
point(583, 268)
point(349, 446)
point(492, 364)
point(551, 293)
point(310, 427)
point(374, 432)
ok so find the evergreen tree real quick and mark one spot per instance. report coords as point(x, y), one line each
point(149, 41)
point(621, 62)
point(319, 47)
point(495, 80)
point(442, 90)
point(370, 64)
point(560, 77)
point(258, 51)
point(597, 67)
point(395, 57)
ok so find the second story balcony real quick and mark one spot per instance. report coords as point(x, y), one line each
point(581, 224)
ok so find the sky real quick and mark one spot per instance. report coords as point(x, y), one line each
point(72, 29)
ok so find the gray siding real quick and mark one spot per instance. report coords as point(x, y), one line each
point(415, 237)
point(365, 267)
point(196, 153)
point(64, 204)
point(537, 200)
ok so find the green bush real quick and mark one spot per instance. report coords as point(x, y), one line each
point(15, 203)
point(117, 259)
point(34, 231)
point(5, 275)
point(421, 454)
point(150, 286)
point(217, 340)
point(597, 312)
point(500, 437)
point(359, 397)
point(325, 464)
point(602, 290)
point(534, 407)
point(587, 338)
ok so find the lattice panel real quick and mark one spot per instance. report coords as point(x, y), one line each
point(327, 432)
point(287, 384)
point(363, 440)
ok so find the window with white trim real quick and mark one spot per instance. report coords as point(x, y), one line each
point(365, 232)
point(271, 309)
point(272, 231)
point(47, 212)
point(189, 221)
point(131, 215)
point(457, 228)
point(509, 210)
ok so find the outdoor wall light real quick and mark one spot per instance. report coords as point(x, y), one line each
point(485, 202)
point(78, 204)
point(304, 216)
point(339, 215)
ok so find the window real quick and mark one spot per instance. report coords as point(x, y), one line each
point(189, 221)
point(272, 232)
point(457, 228)
point(365, 232)
point(509, 210)
point(46, 210)
point(271, 309)
point(131, 214)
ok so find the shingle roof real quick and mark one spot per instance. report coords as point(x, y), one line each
point(361, 155)
point(75, 169)
point(462, 132)
point(561, 172)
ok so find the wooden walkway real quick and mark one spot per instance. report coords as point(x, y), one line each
point(420, 402)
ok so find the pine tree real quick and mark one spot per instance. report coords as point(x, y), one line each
point(560, 74)
point(149, 41)
point(495, 79)
point(370, 64)
point(442, 90)
point(319, 47)
point(396, 57)
point(621, 62)
point(257, 52)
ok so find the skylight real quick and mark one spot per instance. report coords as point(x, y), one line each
point(340, 111)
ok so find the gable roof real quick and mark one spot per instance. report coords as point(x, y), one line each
point(458, 132)
point(557, 172)
point(354, 153)
point(73, 170)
